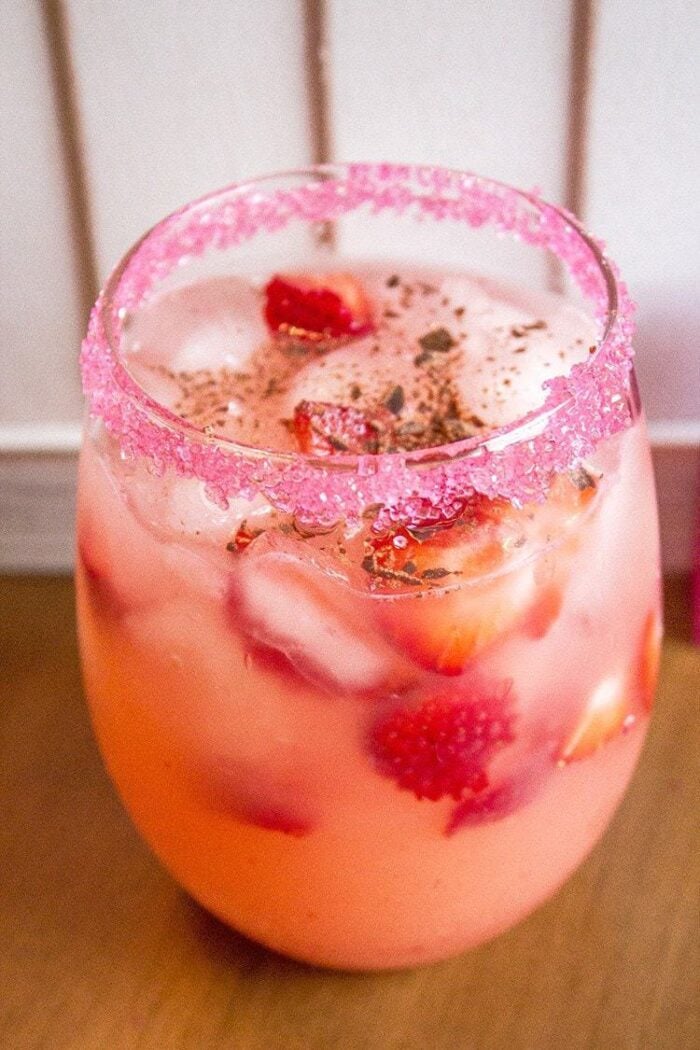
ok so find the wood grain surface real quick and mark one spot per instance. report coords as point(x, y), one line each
point(99, 949)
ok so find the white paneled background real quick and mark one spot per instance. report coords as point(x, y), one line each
point(112, 114)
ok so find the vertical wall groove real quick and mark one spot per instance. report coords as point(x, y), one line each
point(582, 41)
point(69, 131)
point(576, 143)
point(317, 85)
point(316, 63)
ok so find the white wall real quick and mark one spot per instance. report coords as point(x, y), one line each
point(114, 113)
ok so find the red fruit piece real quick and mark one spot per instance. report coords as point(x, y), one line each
point(467, 548)
point(572, 493)
point(617, 701)
point(605, 715)
point(516, 791)
point(485, 601)
point(262, 798)
point(323, 429)
point(317, 307)
point(243, 537)
point(103, 594)
point(442, 748)
point(544, 610)
point(446, 630)
point(490, 806)
point(649, 658)
point(280, 820)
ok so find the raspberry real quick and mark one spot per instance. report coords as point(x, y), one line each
point(442, 748)
point(310, 311)
point(322, 429)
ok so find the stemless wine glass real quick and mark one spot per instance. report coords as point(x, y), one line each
point(368, 708)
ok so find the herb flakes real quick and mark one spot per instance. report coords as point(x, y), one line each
point(437, 341)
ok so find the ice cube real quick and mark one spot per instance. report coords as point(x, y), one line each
point(283, 600)
point(210, 325)
point(179, 508)
point(129, 563)
point(517, 339)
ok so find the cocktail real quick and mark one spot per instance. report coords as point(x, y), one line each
point(368, 573)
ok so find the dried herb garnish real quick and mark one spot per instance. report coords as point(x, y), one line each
point(475, 421)
point(582, 479)
point(396, 400)
point(420, 533)
point(411, 428)
point(437, 341)
point(334, 442)
point(435, 574)
point(451, 429)
point(520, 330)
point(393, 281)
point(295, 348)
point(369, 564)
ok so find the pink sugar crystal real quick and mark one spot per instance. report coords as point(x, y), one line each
point(515, 462)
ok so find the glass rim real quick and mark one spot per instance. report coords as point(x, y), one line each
point(522, 214)
point(513, 431)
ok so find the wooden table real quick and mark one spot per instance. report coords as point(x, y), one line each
point(99, 950)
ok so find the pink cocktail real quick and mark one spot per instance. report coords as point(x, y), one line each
point(368, 560)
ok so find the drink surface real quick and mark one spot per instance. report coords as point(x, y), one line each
point(377, 745)
point(466, 352)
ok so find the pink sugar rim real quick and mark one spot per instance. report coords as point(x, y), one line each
point(516, 462)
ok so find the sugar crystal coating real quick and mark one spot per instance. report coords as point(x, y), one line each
point(515, 462)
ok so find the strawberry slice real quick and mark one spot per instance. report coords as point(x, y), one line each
point(323, 429)
point(497, 803)
point(442, 748)
point(605, 715)
point(518, 787)
point(445, 630)
point(649, 658)
point(617, 701)
point(467, 548)
point(315, 307)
